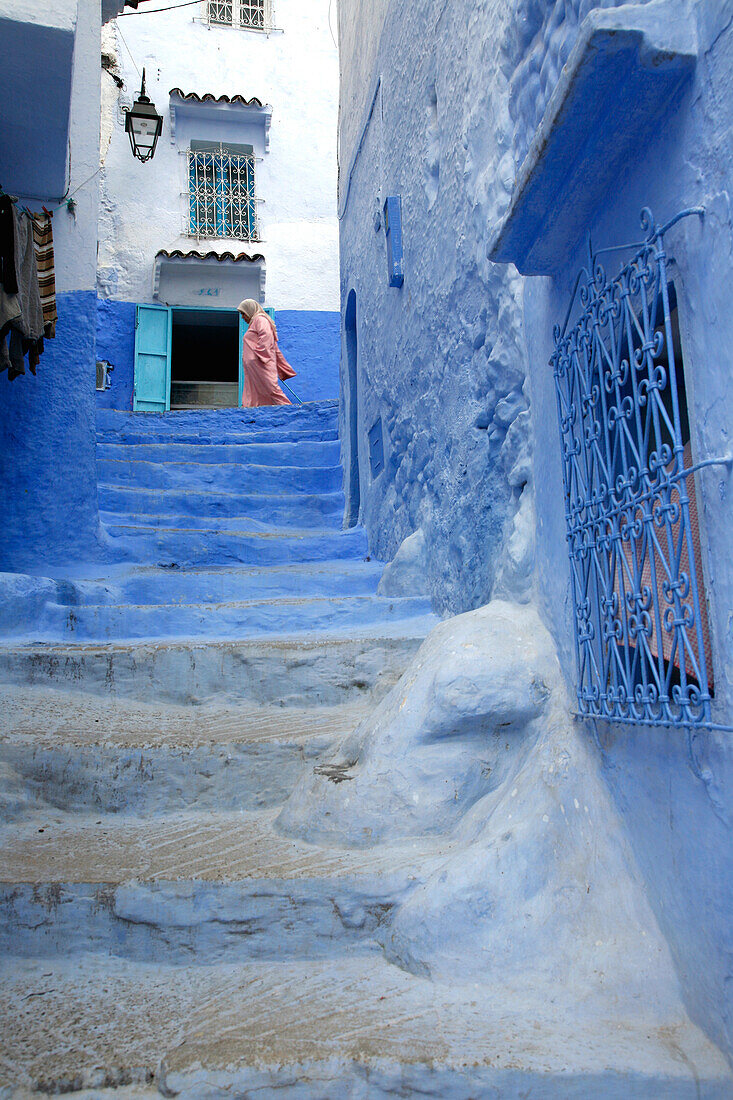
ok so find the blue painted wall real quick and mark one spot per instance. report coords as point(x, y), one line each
point(674, 789)
point(48, 477)
point(456, 363)
point(116, 344)
point(310, 341)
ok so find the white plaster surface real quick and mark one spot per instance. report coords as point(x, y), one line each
point(144, 206)
point(61, 14)
point(75, 230)
point(407, 572)
point(536, 882)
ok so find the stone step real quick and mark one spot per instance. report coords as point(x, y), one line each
point(148, 585)
point(302, 454)
point(81, 755)
point(310, 1030)
point(243, 521)
point(313, 416)
point(135, 434)
point(71, 752)
point(298, 671)
point(287, 615)
point(34, 718)
point(190, 547)
point(296, 508)
point(210, 886)
point(231, 477)
point(154, 781)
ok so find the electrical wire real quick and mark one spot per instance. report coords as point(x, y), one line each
point(129, 51)
point(330, 2)
point(66, 198)
point(152, 11)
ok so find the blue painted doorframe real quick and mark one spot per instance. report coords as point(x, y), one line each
point(153, 336)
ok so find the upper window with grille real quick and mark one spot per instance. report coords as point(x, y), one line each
point(641, 626)
point(251, 15)
point(222, 199)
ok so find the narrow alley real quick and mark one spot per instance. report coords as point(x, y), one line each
point(366, 663)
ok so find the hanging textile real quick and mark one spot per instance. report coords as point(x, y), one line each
point(26, 327)
point(9, 300)
point(43, 242)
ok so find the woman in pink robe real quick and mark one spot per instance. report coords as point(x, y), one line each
point(262, 360)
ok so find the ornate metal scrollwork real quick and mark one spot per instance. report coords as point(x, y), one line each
point(641, 632)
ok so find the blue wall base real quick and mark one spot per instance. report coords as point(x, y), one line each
point(48, 478)
point(116, 344)
point(310, 340)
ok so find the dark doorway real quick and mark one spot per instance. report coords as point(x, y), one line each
point(205, 359)
point(351, 450)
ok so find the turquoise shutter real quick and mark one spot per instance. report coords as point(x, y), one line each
point(153, 331)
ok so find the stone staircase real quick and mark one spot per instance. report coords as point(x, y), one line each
point(161, 936)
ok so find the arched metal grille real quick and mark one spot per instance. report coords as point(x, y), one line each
point(641, 631)
point(222, 200)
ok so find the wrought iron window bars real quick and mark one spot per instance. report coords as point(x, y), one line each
point(221, 195)
point(253, 15)
point(641, 632)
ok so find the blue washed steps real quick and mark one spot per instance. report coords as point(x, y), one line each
point(236, 515)
point(160, 934)
point(156, 711)
point(134, 435)
point(149, 584)
point(272, 518)
point(303, 509)
point(214, 423)
point(303, 453)
point(243, 619)
point(231, 477)
point(212, 546)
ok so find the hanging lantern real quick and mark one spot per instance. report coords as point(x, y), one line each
point(144, 125)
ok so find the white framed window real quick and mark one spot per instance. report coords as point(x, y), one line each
point(251, 15)
point(222, 199)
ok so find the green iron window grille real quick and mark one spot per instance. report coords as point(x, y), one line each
point(641, 629)
point(221, 193)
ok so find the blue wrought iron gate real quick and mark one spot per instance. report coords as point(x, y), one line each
point(641, 631)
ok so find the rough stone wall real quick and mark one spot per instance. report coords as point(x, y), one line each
point(456, 364)
point(442, 359)
point(539, 40)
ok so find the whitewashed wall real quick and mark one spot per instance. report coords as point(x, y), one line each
point(295, 69)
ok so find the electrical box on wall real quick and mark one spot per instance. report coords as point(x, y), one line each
point(393, 233)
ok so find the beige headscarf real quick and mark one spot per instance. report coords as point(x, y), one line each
point(249, 309)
